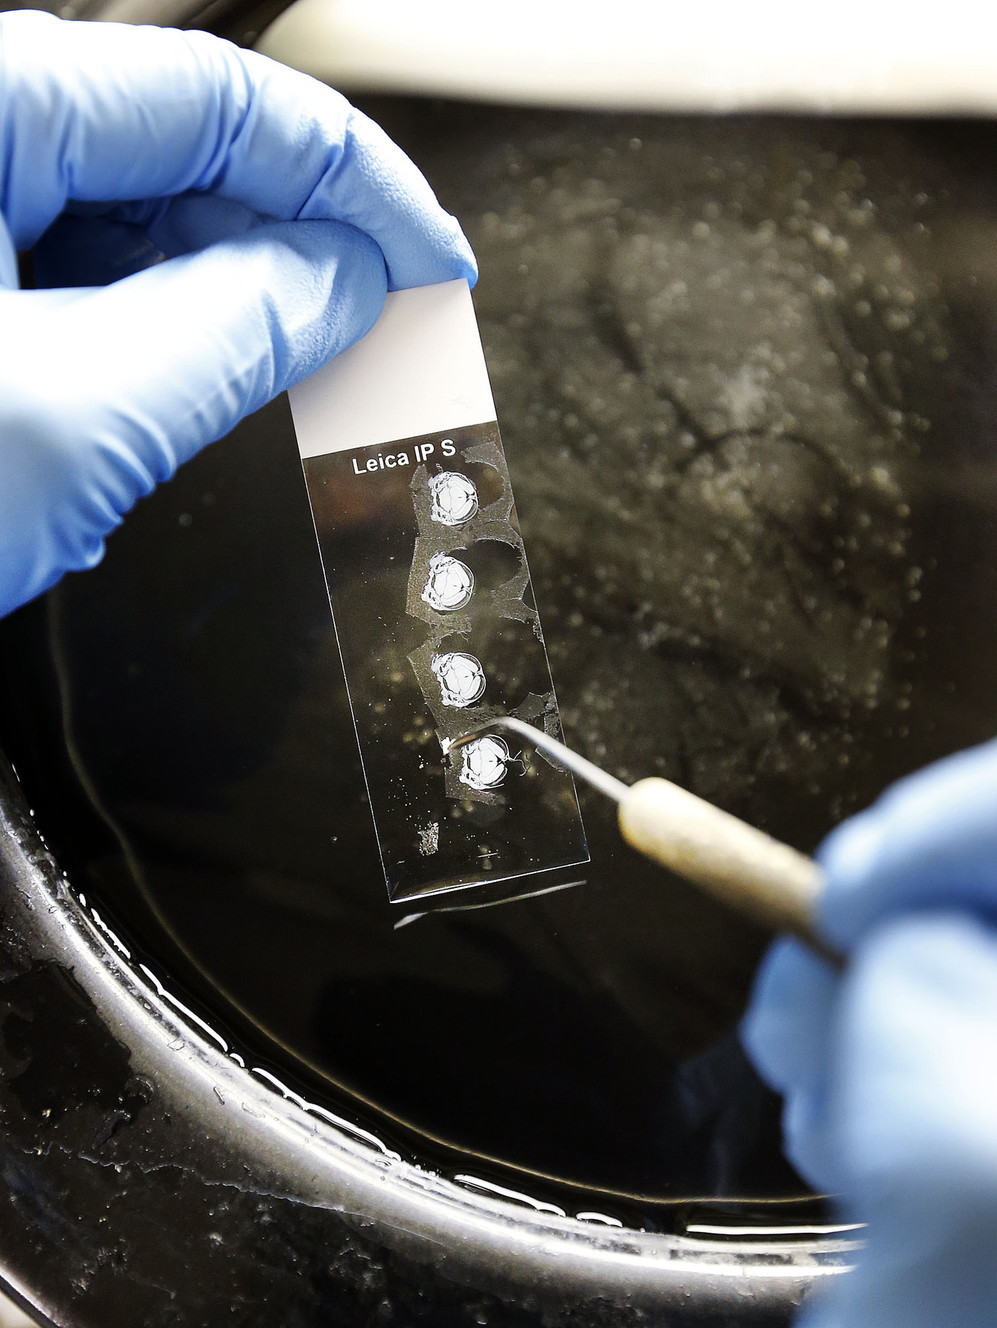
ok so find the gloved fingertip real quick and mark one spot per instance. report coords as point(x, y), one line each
point(757, 1033)
point(784, 1030)
point(451, 261)
point(462, 257)
point(849, 851)
point(849, 856)
point(808, 1137)
point(470, 268)
point(755, 1028)
point(754, 1033)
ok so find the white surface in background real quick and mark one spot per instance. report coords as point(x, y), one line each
point(12, 1317)
point(420, 369)
point(852, 55)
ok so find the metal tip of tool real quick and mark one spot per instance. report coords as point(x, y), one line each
point(592, 774)
point(743, 867)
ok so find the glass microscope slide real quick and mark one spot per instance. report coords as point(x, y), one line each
point(432, 602)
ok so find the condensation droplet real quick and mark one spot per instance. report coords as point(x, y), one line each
point(461, 677)
point(455, 499)
point(485, 763)
point(450, 583)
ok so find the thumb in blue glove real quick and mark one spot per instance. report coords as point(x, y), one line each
point(890, 1069)
point(284, 216)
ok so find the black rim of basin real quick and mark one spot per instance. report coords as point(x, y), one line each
point(159, 1106)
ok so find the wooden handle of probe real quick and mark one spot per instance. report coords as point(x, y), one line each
point(742, 866)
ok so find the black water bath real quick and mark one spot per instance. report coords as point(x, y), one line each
point(745, 373)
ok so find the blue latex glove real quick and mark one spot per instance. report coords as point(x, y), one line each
point(284, 215)
point(890, 1069)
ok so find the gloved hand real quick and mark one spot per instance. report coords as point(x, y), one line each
point(283, 213)
point(890, 1068)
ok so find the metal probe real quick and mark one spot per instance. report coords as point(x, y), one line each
point(743, 867)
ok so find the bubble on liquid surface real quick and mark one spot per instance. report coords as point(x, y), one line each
point(485, 763)
point(455, 499)
point(462, 679)
point(449, 585)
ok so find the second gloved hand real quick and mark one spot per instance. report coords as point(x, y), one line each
point(283, 215)
point(890, 1069)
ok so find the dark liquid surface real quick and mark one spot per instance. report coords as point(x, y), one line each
point(744, 373)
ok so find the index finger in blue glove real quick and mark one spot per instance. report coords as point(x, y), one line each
point(930, 840)
point(101, 111)
point(181, 351)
